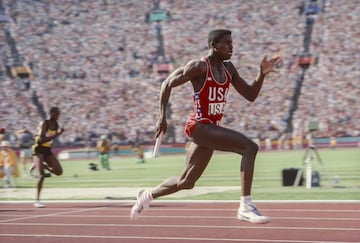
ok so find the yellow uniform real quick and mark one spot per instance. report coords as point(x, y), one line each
point(103, 146)
point(11, 159)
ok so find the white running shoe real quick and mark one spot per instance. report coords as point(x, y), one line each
point(250, 213)
point(140, 204)
point(39, 204)
point(145, 203)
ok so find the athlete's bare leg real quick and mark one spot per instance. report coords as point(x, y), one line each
point(196, 162)
point(223, 139)
point(208, 138)
point(54, 165)
point(38, 161)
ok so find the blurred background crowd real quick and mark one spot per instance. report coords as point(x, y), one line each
point(102, 63)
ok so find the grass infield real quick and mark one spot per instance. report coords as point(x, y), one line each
point(339, 175)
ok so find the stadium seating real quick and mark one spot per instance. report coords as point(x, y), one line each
point(95, 60)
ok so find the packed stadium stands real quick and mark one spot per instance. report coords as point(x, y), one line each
point(95, 60)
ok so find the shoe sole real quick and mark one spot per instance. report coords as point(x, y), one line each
point(264, 220)
point(39, 206)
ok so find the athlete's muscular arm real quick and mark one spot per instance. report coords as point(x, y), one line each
point(43, 138)
point(180, 76)
point(251, 92)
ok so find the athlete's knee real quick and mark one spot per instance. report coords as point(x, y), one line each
point(254, 147)
point(251, 149)
point(58, 172)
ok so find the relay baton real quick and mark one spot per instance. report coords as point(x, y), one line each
point(157, 145)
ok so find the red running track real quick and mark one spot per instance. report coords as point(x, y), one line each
point(168, 222)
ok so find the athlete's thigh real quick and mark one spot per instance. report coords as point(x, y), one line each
point(197, 159)
point(220, 138)
point(53, 162)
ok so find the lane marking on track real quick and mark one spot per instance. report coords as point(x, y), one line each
point(121, 207)
point(165, 238)
point(52, 214)
point(185, 226)
point(174, 208)
point(186, 217)
point(172, 201)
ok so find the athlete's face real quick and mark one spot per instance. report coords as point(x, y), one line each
point(224, 47)
point(55, 114)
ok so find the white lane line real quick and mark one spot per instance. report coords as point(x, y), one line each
point(186, 217)
point(185, 226)
point(174, 209)
point(51, 214)
point(169, 238)
point(176, 201)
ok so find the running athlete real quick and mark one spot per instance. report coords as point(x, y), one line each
point(43, 156)
point(210, 78)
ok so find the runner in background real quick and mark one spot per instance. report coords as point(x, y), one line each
point(42, 154)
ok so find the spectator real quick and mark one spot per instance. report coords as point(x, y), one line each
point(8, 163)
point(103, 146)
point(138, 149)
point(333, 143)
point(2, 134)
point(25, 141)
point(105, 56)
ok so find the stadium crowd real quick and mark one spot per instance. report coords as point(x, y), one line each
point(94, 60)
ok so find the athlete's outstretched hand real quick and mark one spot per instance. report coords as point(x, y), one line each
point(268, 66)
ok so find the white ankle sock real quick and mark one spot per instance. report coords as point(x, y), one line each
point(147, 196)
point(150, 196)
point(244, 200)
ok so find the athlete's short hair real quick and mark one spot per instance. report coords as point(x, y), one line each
point(54, 109)
point(215, 35)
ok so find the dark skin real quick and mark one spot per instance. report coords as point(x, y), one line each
point(52, 163)
point(208, 137)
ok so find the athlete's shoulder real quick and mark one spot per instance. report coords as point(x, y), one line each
point(230, 67)
point(196, 62)
point(197, 65)
point(228, 64)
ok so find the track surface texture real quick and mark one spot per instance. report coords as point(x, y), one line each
point(178, 221)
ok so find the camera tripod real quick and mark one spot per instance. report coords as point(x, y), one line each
point(310, 153)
